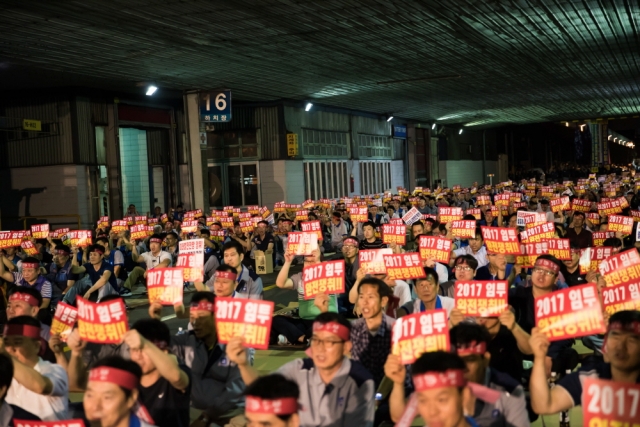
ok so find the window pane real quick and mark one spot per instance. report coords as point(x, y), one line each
point(250, 177)
point(249, 150)
point(235, 185)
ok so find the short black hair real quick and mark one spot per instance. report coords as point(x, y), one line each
point(579, 213)
point(469, 217)
point(6, 373)
point(625, 318)
point(205, 231)
point(233, 244)
point(103, 240)
point(428, 271)
point(329, 317)
point(464, 334)
point(479, 233)
point(337, 214)
point(369, 224)
point(612, 242)
point(174, 234)
point(437, 361)
point(153, 330)
point(95, 248)
point(383, 289)
point(271, 387)
point(226, 267)
point(468, 260)
point(200, 296)
point(27, 290)
point(123, 364)
point(31, 260)
point(431, 220)
point(420, 223)
point(65, 248)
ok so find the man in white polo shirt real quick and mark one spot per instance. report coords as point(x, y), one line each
point(37, 385)
point(155, 258)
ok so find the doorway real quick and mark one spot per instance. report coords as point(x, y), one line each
point(242, 184)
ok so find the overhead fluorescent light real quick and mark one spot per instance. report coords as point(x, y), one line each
point(151, 90)
point(433, 126)
point(308, 106)
point(390, 118)
point(460, 131)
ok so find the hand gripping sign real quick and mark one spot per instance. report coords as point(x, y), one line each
point(63, 320)
point(420, 333)
point(610, 403)
point(102, 323)
point(246, 318)
point(570, 313)
point(165, 285)
point(481, 298)
point(323, 278)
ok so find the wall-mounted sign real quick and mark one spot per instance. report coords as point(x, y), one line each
point(32, 125)
point(399, 131)
point(292, 144)
point(215, 107)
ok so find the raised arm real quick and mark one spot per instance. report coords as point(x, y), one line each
point(283, 281)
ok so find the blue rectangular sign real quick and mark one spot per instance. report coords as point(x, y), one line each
point(215, 107)
point(399, 131)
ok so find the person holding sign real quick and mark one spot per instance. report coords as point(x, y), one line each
point(475, 248)
point(272, 401)
point(427, 289)
point(38, 385)
point(217, 386)
point(30, 278)
point(24, 301)
point(164, 388)
point(59, 273)
point(10, 413)
point(289, 330)
point(103, 281)
point(577, 233)
point(471, 342)
point(222, 283)
point(464, 269)
point(337, 390)
point(622, 352)
point(249, 283)
point(112, 394)
point(155, 258)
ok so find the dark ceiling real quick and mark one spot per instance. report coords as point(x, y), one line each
point(518, 61)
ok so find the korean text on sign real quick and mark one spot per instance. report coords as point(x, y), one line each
point(394, 234)
point(302, 243)
point(190, 226)
point(435, 247)
point(59, 423)
point(501, 240)
point(80, 238)
point(621, 224)
point(621, 297)
point(249, 319)
point(191, 259)
point(102, 323)
point(538, 233)
point(372, 260)
point(590, 258)
point(138, 232)
point(29, 248)
point(610, 403)
point(324, 278)
point(119, 225)
point(420, 333)
point(40, 231)
point(559, 248)
point(448, 215)
point(358, 214)
point(598, 237)
point(531, 252)
point(165, 285)
point(63, 320)
point(621, 268)
point(10, 239)
point(404, 266)
point(412, 216)
point(570, 313)
point(312, 227)
point(481, 298)
point(463, 229)
point(560, 204)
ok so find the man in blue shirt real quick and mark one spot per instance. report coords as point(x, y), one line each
point(60, 274)
point(99, 271)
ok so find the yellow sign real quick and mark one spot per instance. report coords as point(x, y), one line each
point(32, 125)
point(292, 144)
point(595, 169)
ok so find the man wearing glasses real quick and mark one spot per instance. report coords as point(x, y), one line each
point(337, 390)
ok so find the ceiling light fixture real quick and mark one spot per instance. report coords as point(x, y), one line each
point(308, 106)
point(582, 127)
point(460, 131)
point(151, 90)
point(389, 118)
point(433, 126)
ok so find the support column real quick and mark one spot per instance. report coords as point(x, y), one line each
point(195, 157)
point(112, 151)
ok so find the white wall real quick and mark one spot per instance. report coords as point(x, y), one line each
point(397, 175)
point(273, 182)
point(466, 172)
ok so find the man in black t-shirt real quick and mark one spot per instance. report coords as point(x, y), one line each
point(165, 388)
point(570, 269)
point(262, 240)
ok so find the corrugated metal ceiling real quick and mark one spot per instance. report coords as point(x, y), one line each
point(518, 60)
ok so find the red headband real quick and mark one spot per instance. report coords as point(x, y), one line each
point(226, 275)
point(61, 252)
point(431, 380)
point(99, 249)
point(202, 305)
point(29, 299)
point(472, 348)
point(334, 327)
point(352, 241)
point(547, 264)
point(155, 240)
point(30, 265)
point(124, 379)
point(633, 327)
point(22, 331)
point(283, 406)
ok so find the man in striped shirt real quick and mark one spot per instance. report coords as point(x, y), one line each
point(30, 277)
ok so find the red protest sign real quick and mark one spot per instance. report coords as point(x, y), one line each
point(412, 216)
point(302, 215)
point(559, 248)
point(570, 313)
point(246, 318)
point(483, 200)
point(598, 237)
point(102, 323)
point(103, 222)
point(358, 214)
point(246, 226)
point(476, 212)
point(404, 266)
point(394, 233)
point(449, 214)
point(372, 260)
point(302, 244)
point(609, 207)
point(590, 258)
point(621, 268)
point(501, 240)
point(191, 259)
point(420, 333)
point(312, 227)
point(80, 238)
point(59, 423)
point(165, 285)
point(531, 252)
point(119, 225)
point(538, 233)
point(435, 247)
point(40, 231)
point(463, 229)
point(529, 219)
point(609, 403)
point(560, 204)
point(57, 234)
point(140, 220)
point(581, 205)
point(189, 226)
point(324, 278)
point(11, 239)
point(619, 223)
point(138, 232)
point(481, 298)
point(621, 297)
point(63, 320)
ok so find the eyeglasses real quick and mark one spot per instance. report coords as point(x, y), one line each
point(425, 284)
point(317, 342)
point(463, 268)
point(543, 271)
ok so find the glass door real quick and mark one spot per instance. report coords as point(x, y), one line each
point(234, 184)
